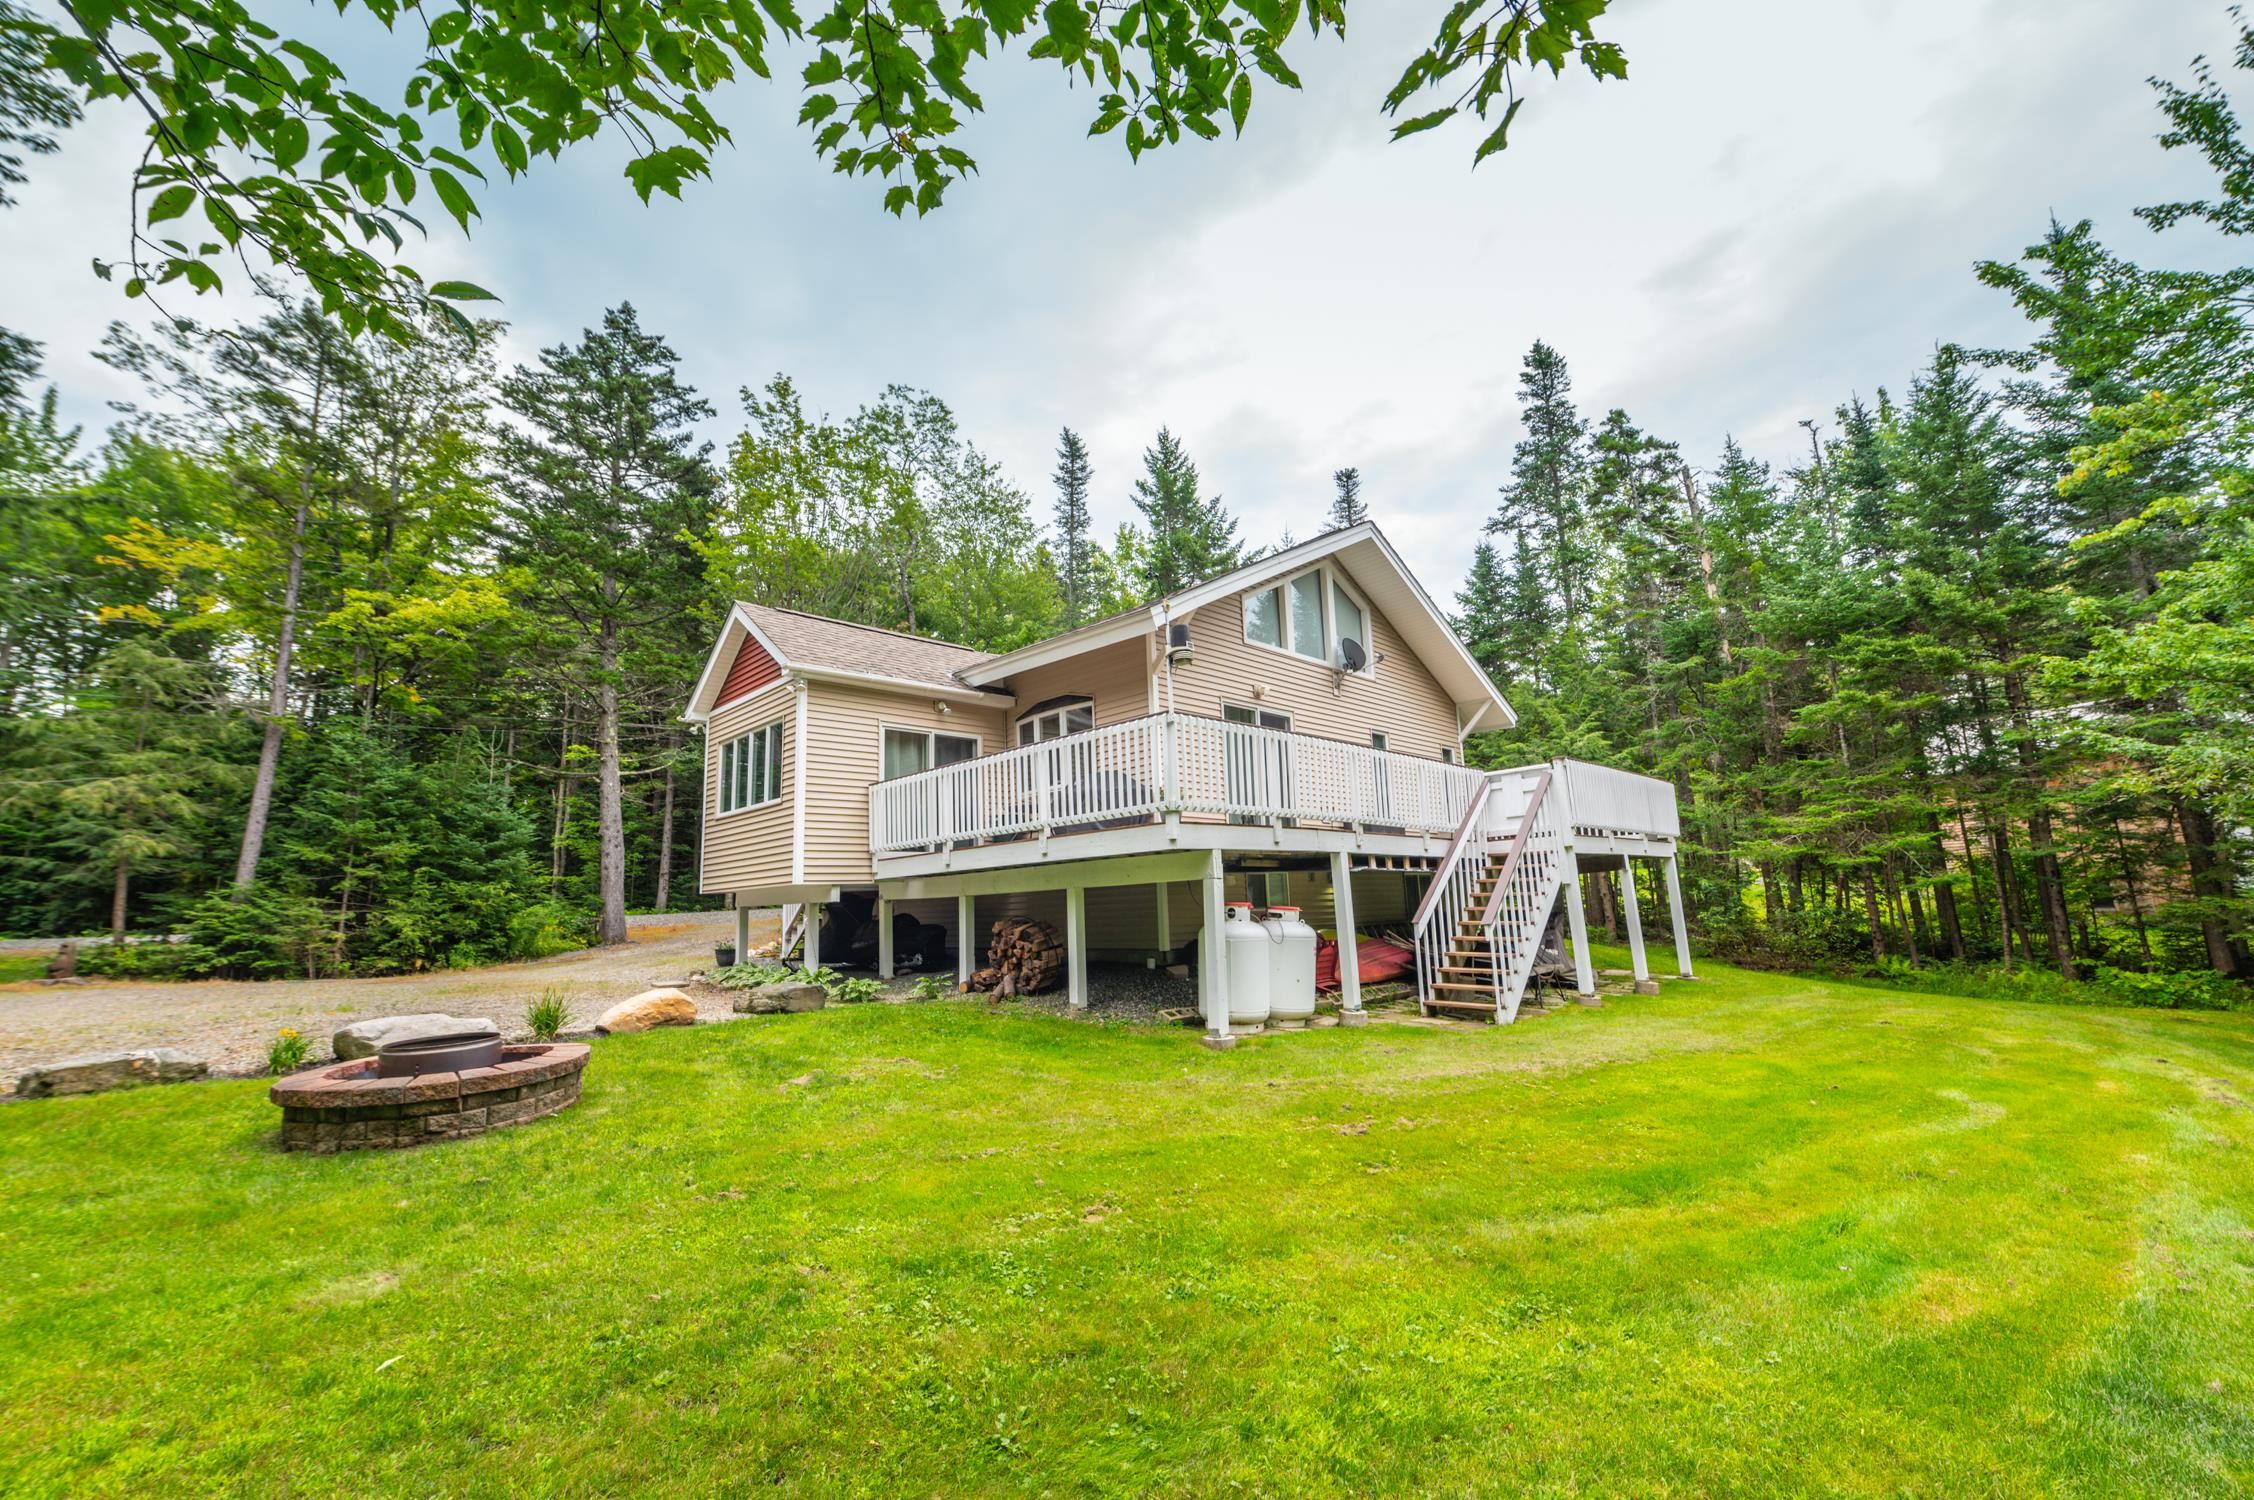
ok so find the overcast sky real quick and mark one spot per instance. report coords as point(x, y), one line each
point(1782, 205)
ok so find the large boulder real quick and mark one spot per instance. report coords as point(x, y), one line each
point(790, 996)
point(98, 1071)
point(662, 1007)
point(362, 1038)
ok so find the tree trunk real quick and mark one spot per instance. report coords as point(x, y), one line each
point(119, 886)
point(2050, 891)
point(610, 923)
point(1999, 849)
point(665, 839)
point(560, 824)
point(1902, 923)
point(1870, 911)
point(2129, 883)
point(278, 696)
point(1945, 891)
point(2210, 882)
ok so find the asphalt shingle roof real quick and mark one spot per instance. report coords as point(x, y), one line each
point(817, 641)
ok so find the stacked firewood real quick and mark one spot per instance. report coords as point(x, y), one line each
point(1023, 957)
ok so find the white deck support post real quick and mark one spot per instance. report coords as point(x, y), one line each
point(1212, 961)
point(884, 938)
point(1350, 1012)
point(966, 938)
point(1675, 909)
point(1634, 918)
point(743, 932)
point(1076, 947)
point(810, 951)
point(1165, 923)
point(1577, 923)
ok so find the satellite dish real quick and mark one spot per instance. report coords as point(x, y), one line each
point(1350, 651)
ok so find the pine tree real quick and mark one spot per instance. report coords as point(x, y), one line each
point(1483, 611)
point(1074, 545)
point(1191, 538)
point(1346, 508)
point(602, 484)
point(1547, 494)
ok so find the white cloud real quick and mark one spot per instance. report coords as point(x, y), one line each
point(1781, 206)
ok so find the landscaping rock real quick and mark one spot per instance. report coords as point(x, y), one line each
point(96, 1072)
point(790, 997)
point(650, 1008)
point(362, 1038)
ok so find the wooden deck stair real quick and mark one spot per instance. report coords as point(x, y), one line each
point(1483, 923)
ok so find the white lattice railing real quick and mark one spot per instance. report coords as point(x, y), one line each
point(1167, 763)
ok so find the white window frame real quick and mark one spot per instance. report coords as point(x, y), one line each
point(730, 754)
point(927, 733)
point(1331, 578)
point(1060, 712)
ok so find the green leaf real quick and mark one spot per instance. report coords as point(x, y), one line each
point(454, 196)
point(1240, 99)
point(461, 291)
point(290, 142)
point(1423, 123)
point(172, 203)
point(1496, 139)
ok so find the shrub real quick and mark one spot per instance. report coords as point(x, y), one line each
point(2195, 989)
point(934, 987)
point(548, 1015)
point(2192, 990)
point(748, 976)
point(263, 933)
point(143, 960)
point(546, 928)
point(288, 1051)
point(854, 991)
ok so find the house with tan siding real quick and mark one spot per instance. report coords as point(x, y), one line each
point(1291, 733)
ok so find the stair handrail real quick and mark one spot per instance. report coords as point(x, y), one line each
point(1517, 848)
point(1468, 832)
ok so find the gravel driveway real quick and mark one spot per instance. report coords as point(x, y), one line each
point(229, 1023)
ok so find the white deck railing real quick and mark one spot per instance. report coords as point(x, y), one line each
point(1603, 802)
point(1167, 764)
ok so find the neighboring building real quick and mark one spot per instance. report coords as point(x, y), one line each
point(1289, 733)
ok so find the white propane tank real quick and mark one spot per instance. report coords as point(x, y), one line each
point(1244, 958)
point(1291, 983)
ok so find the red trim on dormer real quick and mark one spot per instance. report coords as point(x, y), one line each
point(753, 669)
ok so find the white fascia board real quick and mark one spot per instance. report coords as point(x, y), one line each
point(1064, 647)
point(907, 686)
point(1175, 606)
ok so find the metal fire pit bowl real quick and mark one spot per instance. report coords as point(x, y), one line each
point(437, 1054)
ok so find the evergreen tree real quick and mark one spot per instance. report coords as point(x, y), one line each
point(1190, 537)
point(1074, 545)
point(1483, 611)
point(1346, 508)
point(602, 485)
point(1547, 496)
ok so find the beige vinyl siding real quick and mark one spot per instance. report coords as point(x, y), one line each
point(1117, 678)
point(1400, 698)
point(743, 850)
point(845, 742)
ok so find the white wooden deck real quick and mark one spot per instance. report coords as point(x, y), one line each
point(1169, 781)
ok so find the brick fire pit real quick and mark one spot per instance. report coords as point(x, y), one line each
point(349, 1108)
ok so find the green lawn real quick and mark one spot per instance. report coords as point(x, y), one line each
point(1758, 1235)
